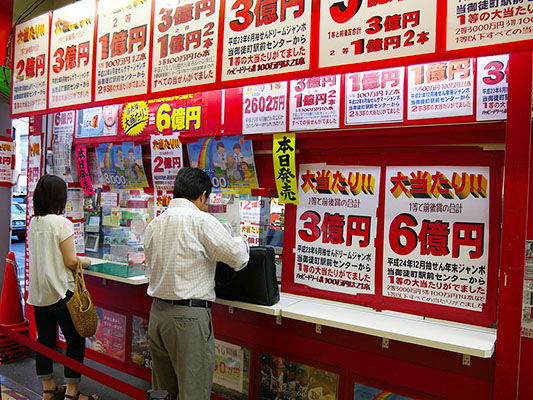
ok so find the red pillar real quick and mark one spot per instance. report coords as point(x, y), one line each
point(514, 226)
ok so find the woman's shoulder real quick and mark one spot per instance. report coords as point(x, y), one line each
point(53, 219)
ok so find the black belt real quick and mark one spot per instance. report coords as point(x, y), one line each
point(189, 302)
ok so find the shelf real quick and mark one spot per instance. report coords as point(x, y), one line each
point(275, 310)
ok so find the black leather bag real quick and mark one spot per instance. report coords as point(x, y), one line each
point(256, 283)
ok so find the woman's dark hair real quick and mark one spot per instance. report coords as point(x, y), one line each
point(191, 183)
point(50, 195)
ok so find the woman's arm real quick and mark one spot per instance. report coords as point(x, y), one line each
point(69, 254)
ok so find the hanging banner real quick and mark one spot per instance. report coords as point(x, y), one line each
point(284, 158)
point(7, 161)
point(185, 43)
point(167, 160)
point(30, 59)
point(437, 232)
point(71, 54)
point(229, 365)
point(492, 87)
point(97, 121)
point(83, 172)
point(375, 30)
point(264, 108)
point(229, 162)
point(122, 48)
point(472, 23)
point(440, 89)
point(63, 133)
point(265, 39)
point(315, 103)
point(374, 96)
point(336, 227)
point(122, 165)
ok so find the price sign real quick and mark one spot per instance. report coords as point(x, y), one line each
point(264, 108)
point(167, 159)
point(492, 87)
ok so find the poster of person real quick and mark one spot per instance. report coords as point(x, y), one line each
point(281, 379)
point(63, 133)
point(110, 336)
point(121, 165)
point(97, 121)
point(527, 303)
point(140, 351)
point(364, 392)
point(228, 161)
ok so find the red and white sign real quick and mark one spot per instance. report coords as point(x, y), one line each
point(374, 96)
point(356, 31)
point(30, 65)
point(250, 216)
point(7, 161)
point(265, 38)
point(185, 43)
point(71, 54)
point(63, 133)
point(122, 48)
point(440, 89)
point(315, 103)
point(264, 108)
point(167, 160)
point(492, 87)
point(436, 247)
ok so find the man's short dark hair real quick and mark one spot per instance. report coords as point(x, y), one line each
point(191, 183)
point(50, 195)
point(236, 146)
point(220, 144)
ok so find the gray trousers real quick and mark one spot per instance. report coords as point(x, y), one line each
point(182, 344)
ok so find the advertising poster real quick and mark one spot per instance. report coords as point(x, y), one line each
point(74, 206)
point(110, 336)
point(121, 165)
point(492, 87)
point(95, 173)
point(440, 89)
point(264, 108)
point(471, 23)
point(365, 392)
point(167, 159)
point(265, 38)
point(357, 31)
point(161, 202)
point(315, 103)
point(437, 232)
point(229, 162)
point(374, 96)
point(63, 133)
point(527, 303)
point(250, 216)
point(229, 360)
point(7, 161)
point(30, 70)
point(336, 226)
point(71, 54)
point(122, 48)
point(140, 351)
point(79, 238)
point(185, 43)
point(280, 378)
point(97, 121)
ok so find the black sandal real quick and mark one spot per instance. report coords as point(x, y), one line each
point(68, 396)
point(57, 394)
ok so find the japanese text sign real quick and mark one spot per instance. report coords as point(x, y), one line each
point(265, 38)
point(63, 133)
point(374, 96)
point(30, 65)
point(336, 226)
point(440, 89)
point(110, 336)
point(79, 242)
point(264, 108)
point(229, 366)
point(492, 87)
point(167, 159)
point(83, 171)
point(71, 54)
point(122, 48)
point(482, 23)
point(7, 161)
point(122, 165)
point(185, 43)
point(315, 103)
point(354, 31)
point(250, 220)
point(437, 234)
point(283, 153)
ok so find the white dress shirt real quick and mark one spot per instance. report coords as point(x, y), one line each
point(182, 246)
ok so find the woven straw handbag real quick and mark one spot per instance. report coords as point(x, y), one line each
point(81, 307)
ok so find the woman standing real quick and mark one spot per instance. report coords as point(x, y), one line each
point(52, 258)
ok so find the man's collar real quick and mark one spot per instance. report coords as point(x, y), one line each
point(181, 202)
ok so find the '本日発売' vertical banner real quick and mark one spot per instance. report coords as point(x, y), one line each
point(30, 59)
point(375, 30)
point(437, 232)
point(374, 96)
point(264, 108)
point(492, 87)
point(336, 226)
point(122, 48)
point(71, 54)
point(284, 159)
point(185, 43)
point(315, 103)
point(265, 38)
point(440, 89)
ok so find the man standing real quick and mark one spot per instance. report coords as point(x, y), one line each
point(182, 246)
